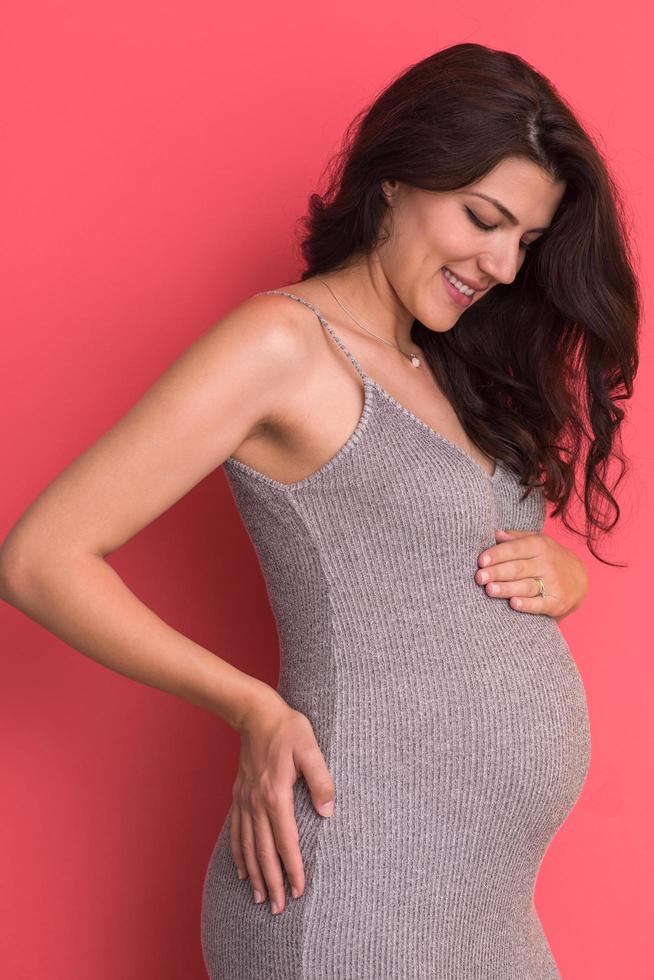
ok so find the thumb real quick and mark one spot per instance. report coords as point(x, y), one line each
point(311, 763)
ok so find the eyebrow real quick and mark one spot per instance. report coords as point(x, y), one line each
point(505, 211)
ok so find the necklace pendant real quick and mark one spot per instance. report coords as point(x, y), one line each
point(415, 360)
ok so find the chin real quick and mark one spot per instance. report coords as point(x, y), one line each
point(441, 325)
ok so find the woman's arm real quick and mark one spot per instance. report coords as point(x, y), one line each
point(219, 391)
point(230, 382)
point(81, 599)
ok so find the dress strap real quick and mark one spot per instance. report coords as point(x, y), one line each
point(325, 323)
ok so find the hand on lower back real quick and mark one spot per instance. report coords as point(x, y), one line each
point(277, 745)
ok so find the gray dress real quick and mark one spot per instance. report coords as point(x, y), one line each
point(455, 728)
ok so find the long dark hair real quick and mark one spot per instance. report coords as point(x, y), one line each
point(534, 369)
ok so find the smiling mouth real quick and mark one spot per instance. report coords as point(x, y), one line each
point(464, 287)
point(461, 299)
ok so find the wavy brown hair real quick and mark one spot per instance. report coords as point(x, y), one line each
point(535, 369)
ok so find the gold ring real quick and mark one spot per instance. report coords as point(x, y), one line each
point(541, 587)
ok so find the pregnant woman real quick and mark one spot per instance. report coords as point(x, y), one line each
point(392, 426)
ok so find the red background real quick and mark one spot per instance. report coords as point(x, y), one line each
point(155, 159)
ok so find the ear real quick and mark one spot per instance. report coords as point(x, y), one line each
point(388, 189)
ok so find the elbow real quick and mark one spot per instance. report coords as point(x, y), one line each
point(21, 570)
point(14, 572)
point(29, 570)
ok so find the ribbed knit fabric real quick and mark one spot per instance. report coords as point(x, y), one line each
point(455, 727)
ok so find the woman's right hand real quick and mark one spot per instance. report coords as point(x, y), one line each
point(277, 745)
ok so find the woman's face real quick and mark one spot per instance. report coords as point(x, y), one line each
point(435, 234)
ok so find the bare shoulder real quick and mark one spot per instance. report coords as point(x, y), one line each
point(262, 347)
point(235, 380)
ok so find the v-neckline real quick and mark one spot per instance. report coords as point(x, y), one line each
point(367, 379)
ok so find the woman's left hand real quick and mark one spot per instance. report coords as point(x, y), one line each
point(522, 556)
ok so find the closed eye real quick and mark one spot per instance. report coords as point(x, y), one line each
point(480, 224)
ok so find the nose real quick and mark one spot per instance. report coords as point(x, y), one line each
point(501, 265)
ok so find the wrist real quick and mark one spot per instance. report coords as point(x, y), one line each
point(257, 699)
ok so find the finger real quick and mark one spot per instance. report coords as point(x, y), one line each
point(519, 587)
point(248, 845)
point(287, 840)
point(535, 604)
point(512, 571)
point(235, 841)
point(268, 860)
point(529, 546)
point(310, 761)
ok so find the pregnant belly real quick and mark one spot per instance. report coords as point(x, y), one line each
point(462, 730)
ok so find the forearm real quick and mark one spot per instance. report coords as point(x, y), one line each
point(86, 603)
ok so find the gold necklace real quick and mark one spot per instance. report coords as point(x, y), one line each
point(413, 359)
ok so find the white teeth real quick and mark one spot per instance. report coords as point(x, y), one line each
point(466, 290)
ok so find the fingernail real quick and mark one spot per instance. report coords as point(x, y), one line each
point(240, 873)
point(327, 809)
point(295, 892)
point(274, 908)
point(258, 897)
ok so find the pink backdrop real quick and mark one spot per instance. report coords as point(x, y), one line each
point(154, 161)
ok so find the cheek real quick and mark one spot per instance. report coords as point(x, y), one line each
point(433, 244)
point(427, 238)
point(447, 243)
